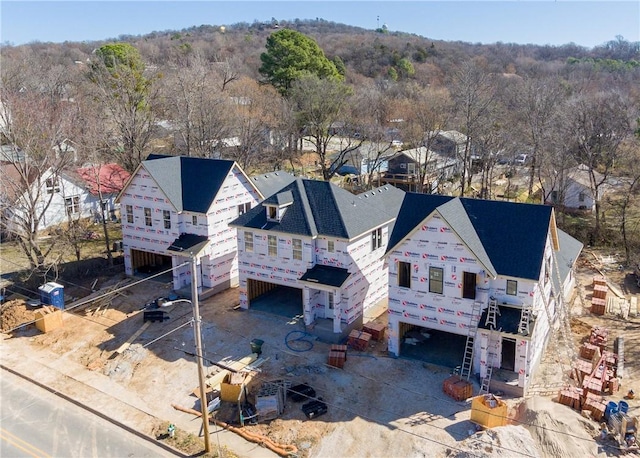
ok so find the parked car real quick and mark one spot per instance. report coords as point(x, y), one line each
point(521, 159)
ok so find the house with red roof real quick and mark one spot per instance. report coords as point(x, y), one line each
point(53, 197)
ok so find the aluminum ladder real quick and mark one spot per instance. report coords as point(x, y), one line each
point(467, 360)
point(486, 381)
point(491, 313)
point(525, 320)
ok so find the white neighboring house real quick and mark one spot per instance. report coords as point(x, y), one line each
point(54, 198)
point(177, 208)
point(573, 192)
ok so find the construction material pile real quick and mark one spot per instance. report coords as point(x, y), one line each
point(14, 313)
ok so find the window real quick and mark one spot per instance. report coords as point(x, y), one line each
point(272, 242)
point(436, 278)
point(166, 216)
point(72, 204)
point(376, 239)
point(469, 285)
point(297, 249)
point(147, 217)
point(248, 242)
point(194, 220)
point(512, 287)
point(411, 169)
point(53, 185)
point(554, 196)
point(404, 274)
point(129, 210)
point(581, 197)
point(331, 246)
point(331, 301)
point(272, 212)
point(244, 208)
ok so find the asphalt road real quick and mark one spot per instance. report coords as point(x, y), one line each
point(37, 423)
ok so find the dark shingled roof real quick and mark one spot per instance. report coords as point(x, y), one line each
point(326, 275)
point(190, 183)
point(188, 244)
point(513, 235)
point(322, 208)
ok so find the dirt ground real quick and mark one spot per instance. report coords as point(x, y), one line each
point(377, 406)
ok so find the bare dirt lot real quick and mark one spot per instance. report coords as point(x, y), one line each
point(377, 406)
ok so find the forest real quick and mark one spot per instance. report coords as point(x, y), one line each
point(253, 92)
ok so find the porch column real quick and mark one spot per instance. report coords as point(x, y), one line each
point(306, 306)
point(337, 310)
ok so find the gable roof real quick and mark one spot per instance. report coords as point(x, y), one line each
point(513, 235)
point(322, 208)
point(108, 178)
point(270, 183)
point(566, 256)
point(190, 183)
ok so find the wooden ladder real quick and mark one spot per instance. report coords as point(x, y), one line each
point(467, 359)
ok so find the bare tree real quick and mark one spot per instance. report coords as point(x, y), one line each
point(599, 124)
point(36, 128)
point(473, 93)
point(197, 106)
point(428, 115)
point(321, 107)
point(128, 92)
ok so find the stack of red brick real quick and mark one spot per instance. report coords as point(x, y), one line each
point(599, 298)
point(458, 388)
point(359, 340)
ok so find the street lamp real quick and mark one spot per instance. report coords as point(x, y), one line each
point(199, 356)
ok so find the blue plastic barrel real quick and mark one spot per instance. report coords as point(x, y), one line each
point(623, 407)
point(611, 408)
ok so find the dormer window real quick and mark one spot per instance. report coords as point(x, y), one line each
point(275, 211)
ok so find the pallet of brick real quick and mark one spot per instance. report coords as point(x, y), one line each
point(596, 405)
point(570, 396)
point(600, 291)
point(599, 336)
point(592, 385)
point(587, 350)
point(599, 280)
point(583, 367)
point(337, 359)
point(598, 306)
point(459, 389)
point(376, 330)
point(359, 340)
point(338, 347)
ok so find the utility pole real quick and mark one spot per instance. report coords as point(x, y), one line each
point(199, 356)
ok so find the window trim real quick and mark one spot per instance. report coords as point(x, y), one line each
point(148, 221)
point(52, 185)
point(376, 239)
point(166, 217)
point(514, 284)
point(469, 281)
point(272, 245)
point(244, 208)
point(248, 242)
point(433, 283)
point(404, 274)
point(297, 251)
point(72, 205)
point(331, 246)
point(129, 210)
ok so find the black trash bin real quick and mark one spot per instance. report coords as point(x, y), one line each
point(256, 346)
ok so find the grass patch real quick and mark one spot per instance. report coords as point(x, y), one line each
point(189, 443)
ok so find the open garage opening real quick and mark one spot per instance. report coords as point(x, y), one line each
point(431, 346)
point(145, 263)
point(273, 298)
